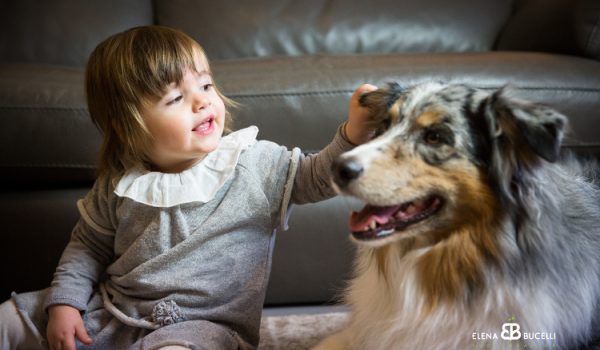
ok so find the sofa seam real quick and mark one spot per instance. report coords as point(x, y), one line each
point(340, 92)
point(321, 93)
point(587, 90)
point(91, 167)
point(84, 109)
point(48, 165)
point(304, 93)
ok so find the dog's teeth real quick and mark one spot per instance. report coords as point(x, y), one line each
point(412, 208)
point(386, 232)
point(373, 225)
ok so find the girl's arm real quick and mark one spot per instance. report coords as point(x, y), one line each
point(312, 181)
point(82, 263)
point(89, 251)
point(81, 266)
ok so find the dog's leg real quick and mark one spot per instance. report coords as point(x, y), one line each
point(337, 341)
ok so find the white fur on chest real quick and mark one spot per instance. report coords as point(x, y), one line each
point(389, 313)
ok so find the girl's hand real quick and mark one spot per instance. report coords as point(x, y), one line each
point(358, 130)
point(64, 324)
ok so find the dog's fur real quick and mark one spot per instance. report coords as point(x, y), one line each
point(508, 232)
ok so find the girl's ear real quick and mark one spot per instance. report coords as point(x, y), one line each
point(528, 128)
point(379, 103)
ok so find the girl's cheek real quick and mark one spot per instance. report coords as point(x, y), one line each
point(222, 107)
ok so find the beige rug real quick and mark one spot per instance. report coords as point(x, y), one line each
point(298, 332)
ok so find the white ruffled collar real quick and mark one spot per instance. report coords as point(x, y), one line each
point(199, 183)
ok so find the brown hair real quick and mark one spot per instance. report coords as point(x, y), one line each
point(126, 71)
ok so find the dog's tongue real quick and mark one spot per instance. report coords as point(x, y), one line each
point(361, 220)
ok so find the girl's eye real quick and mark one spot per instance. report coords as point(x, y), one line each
point(207, 87)
point(175, 100)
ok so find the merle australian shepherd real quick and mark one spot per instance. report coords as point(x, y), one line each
point(475, 233)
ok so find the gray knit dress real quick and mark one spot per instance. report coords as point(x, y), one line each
point(182, 259)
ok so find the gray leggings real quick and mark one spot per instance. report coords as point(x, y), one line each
point(15, 335)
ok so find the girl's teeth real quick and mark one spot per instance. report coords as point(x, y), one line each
point(204, 126)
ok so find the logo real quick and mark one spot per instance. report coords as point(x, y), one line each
point(511, 331)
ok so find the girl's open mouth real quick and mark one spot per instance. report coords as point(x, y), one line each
point(205, 127)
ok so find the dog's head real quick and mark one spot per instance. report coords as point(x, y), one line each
point(447, 156)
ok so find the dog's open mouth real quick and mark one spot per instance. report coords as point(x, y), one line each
point(375, 222)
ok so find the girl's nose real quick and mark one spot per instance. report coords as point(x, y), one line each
point(200, 102)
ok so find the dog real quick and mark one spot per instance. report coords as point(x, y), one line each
point(477, 232)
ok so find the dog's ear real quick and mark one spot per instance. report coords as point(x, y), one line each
point(379, 103)
point(521, 134)
point(526, 126)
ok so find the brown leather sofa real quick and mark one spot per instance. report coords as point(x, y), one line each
point(292, 65)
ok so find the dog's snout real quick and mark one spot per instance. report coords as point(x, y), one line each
point(346, 170)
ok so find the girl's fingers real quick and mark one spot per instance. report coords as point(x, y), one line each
point(81, 334)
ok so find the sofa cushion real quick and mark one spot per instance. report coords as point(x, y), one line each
point(46, 125)
point(64, 31)
point(46, 135)
point(234, 29)
point(36, 226)
point(587, 26)
point(559, 26)
point(308, 97)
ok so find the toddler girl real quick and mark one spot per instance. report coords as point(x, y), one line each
point(173, 246)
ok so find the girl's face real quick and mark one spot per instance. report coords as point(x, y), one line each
point(186, 123)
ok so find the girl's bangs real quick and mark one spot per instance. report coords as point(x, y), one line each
point(161, 58)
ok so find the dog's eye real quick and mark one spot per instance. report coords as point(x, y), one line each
point(432, 137)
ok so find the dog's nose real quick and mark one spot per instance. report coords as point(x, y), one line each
point(346, 170)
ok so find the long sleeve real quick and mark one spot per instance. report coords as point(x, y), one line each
point(312, 182)
point(87, 254)
point(289, 177)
